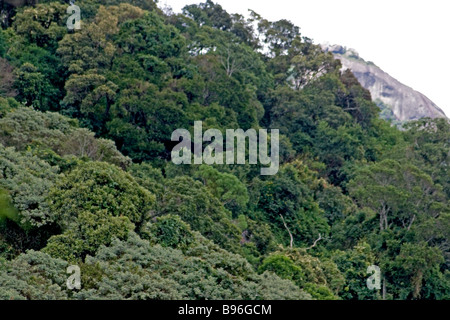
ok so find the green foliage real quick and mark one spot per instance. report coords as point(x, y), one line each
point(42, 24)
point(28, 180)
point(7, 105)
point(154, 38)
point(31, 84)
point(24, 127)
point(400, 194)
point(148, 177)
point(7, 210)
point(353, 265)
point(135, 270)
point(200, 209)
point(283, 267)
point(429, 139)
point(210, 14)
point(3, 47)
point(87, 234)
point(85, 174)
point(225, 187)
point(33, 276)
point(320, 278)
point(287, 198)
point(95, 203)
point(171, 231)
point(98, 186)
point(416, 261)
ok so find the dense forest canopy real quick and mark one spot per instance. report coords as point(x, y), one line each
point(86, 177)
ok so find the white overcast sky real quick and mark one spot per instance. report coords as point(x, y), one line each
point(409, 39)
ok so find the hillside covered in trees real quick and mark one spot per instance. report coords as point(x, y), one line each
point(86, 177)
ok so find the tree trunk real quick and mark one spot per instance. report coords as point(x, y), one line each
point(290, 234)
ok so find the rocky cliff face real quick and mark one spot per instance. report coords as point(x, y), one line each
point(397, 101)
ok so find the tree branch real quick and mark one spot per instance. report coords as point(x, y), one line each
point(412, 221)
point(315, 242)
point(290, 234)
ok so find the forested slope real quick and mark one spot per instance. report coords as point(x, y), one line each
point(86, 118)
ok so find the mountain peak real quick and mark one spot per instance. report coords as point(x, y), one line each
point(397, 101)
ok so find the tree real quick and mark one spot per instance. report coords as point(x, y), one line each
point(307, 63)
point(98, 186)
point(283, 267)
point(42, 24)
point(28, 180)
point(351, 192)
point(92, 47)
point(170, 231)
point(400, 194)
point(210, 14)
point(86, 234)
point(418, 260)
point(428, 139)
point(92, 96)
point(286, 202)
point(155, 272)
point(149, 35)
point(278, 35)
point(24, 128)
point(34, 276)
point(195, 204)
point(353, 265)
point(224, 186)
point(31, 85)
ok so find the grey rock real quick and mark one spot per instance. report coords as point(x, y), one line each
point(405, 103)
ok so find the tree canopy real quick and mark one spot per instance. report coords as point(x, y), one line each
point(86, 179)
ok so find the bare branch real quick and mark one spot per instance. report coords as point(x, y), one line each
point(315, 242)
point(290, 234)
point(411, 223)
